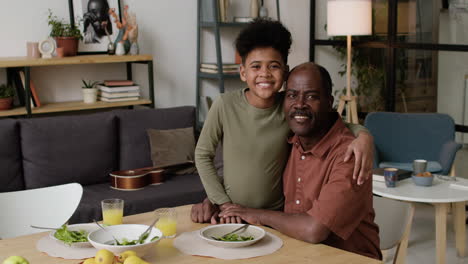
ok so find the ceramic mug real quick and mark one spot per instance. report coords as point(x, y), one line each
point(390, 175)
point(419, 166)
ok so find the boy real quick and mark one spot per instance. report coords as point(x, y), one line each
point(252, 127)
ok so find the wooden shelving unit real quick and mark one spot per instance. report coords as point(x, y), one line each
point(71, 106)
point(27, 63)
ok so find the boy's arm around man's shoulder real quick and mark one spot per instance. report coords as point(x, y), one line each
point(210, 136)
point(363, 150)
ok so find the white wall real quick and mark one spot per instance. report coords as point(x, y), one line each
point(167, 30)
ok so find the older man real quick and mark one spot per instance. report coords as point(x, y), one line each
point(322, 202)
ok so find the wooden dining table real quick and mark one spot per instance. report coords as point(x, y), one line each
point(293, 250)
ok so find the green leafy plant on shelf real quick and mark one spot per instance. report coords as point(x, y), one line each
point(62, 29)
point(88, 84)
point(6, 91)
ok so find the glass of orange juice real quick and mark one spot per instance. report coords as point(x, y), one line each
point(167, 221)
point(112, 211)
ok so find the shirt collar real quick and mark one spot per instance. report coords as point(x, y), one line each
point(325, 143)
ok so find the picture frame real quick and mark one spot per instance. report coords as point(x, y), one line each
point(90, 23)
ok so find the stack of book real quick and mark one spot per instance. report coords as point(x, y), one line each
point(213, 68)
point(118, 90)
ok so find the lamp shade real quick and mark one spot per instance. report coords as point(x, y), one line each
point(349, 17)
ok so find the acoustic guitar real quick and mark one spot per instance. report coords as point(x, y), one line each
point(136, 179)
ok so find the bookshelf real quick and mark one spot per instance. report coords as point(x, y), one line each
point(208, 18)
point(54, 107)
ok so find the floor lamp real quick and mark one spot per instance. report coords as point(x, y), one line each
point(347, 18)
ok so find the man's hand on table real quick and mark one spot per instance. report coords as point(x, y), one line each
point(363, 149)
point(204, 212)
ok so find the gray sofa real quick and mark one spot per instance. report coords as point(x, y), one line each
point(48, 151)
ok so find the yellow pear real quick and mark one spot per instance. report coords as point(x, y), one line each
point(89, 261)
point(134, 260)
point(124, 255)
point(104, 256)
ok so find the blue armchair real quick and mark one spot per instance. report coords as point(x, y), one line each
point(401, 138)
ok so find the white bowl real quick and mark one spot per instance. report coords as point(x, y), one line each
point(76, 227)
point(209, 232)
point(100, 239)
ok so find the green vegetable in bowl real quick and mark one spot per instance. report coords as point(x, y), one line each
point(126, 242)
point(234, 238)
point(69, 236)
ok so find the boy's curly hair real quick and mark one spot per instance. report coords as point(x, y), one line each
point(264, 32)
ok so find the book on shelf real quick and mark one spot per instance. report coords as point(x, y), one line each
point(378, 174)
point(32, 90)
point(216, 70)
point(113, 89)
point(105, 99)
point(118, 94)
point(118, 83)
point(18, 85)
point(226, 66)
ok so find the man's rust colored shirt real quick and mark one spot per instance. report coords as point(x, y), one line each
point(319, 183)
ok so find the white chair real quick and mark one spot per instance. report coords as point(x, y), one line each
point(394, 219)
point(47, 207)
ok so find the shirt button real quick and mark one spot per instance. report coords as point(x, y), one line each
point(298, 179)
point(302, 157)
point(298, 202)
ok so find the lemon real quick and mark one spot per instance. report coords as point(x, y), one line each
point(104, 256)
point(15, 260)
point(124, 255)
point(89, 261)
point(134, 260)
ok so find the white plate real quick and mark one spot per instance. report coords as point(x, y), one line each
point(76, 227)
point(211, 231)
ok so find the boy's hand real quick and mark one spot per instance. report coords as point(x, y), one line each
point(204, 212)
point(249, 215)
point(232, 219)
point(363, 149)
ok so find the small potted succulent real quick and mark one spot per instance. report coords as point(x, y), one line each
point(89, 91)
point(65, 34)
point(6, 96)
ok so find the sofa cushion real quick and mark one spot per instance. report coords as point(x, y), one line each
point(11, 176)
point(64, 149)
point(133, 124)
point(175, 191)
point(171, 147)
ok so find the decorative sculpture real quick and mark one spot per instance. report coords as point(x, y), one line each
point(127, 28)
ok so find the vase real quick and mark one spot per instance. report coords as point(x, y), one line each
point(253, 8)
point(89, 95)
point(120, 50)
point(263, 11)
point(134, 49)
point(69, 45)
point(6, 103)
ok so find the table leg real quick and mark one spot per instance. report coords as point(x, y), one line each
point(459, 216)
point(400, 255)
point(441, 231)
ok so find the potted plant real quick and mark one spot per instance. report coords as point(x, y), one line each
point(89, 92)
point(65, 35)
point(6, 97)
